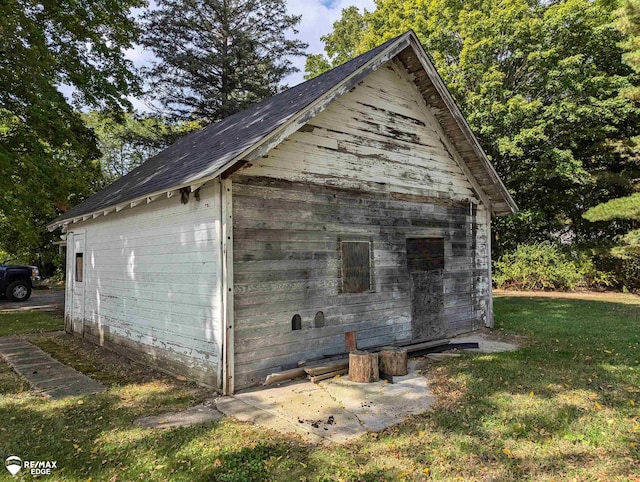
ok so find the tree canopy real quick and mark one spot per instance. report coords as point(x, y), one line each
point(216, 57)
point(340, 45)
point(627, 207)
point(128, 142)
point(540, 84)
point(46, 152)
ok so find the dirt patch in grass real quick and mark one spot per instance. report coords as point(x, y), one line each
point(103, 365)
point(606, 296)
point(499, 334)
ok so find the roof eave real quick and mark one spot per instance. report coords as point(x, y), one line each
point(464, 126)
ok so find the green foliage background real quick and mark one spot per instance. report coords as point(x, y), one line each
point(544, 85)
point(48, 156)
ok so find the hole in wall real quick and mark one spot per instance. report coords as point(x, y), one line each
point(318, 321)
point(296, 322)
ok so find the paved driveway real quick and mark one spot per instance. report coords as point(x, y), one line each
point(41, 300)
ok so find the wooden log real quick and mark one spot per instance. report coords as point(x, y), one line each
point(393, 360)
point(363, 367)
point(324, 376)
point(283, 376)
point(448, 346)
point(327, 367)
point(426, 345)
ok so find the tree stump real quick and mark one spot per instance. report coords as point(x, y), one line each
point(363, 367)
point(393, 361)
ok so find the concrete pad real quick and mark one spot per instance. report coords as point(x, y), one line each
point(335, 410)
point(304, 409)
point(486, 344)
point(338, 410)
point(380, 405)
point(203, 413)
point(244, 412)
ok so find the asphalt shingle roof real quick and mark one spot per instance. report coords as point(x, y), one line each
point(210, 148)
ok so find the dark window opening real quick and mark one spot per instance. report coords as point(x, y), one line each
point(79, 266)
point(296, 322)
point(425, 254)
point(356, 266)
point(318, 321)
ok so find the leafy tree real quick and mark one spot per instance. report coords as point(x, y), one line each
point(340, 45)
point(629, 22)
point(46, 151)
point(624, 208)
point(216, 57)
point(540, 84)
point(127, 143)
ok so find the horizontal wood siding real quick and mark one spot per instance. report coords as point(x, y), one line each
point(375, 137)
point(287, 261)
point(372, 166)
point(152, 283)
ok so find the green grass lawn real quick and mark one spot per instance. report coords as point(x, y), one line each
point(564, 407)
point(19, 322)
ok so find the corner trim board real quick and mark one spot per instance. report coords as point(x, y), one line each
point(228, 365)
point(489, 323)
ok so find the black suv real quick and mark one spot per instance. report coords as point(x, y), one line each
point(16, 282)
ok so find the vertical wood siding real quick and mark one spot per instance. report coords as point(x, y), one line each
point(152, 283)
point(371, 167)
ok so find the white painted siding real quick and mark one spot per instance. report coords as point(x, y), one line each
point(376, 137)
point(152, 282)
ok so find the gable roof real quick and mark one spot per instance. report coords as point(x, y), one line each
point(204, 154)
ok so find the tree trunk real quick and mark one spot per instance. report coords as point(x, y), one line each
point(393, 360)
point(363, 367)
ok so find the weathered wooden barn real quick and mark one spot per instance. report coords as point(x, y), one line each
point(358, 203)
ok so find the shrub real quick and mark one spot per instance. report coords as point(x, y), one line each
point(626, 269)
point(543, 266)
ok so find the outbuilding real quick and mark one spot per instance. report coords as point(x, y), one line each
point(352, 209)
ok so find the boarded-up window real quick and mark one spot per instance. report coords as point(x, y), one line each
point(79, 266)
point(425, 254)
point(356, 266)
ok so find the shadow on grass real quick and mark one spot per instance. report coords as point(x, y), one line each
point(564, 404)
point(98, 439)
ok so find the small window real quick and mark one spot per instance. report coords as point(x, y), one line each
point(425, 254)
point(79, 267)
point(356, 266)
point(296, 322)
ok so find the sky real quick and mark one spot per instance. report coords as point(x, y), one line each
point(317, 20)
